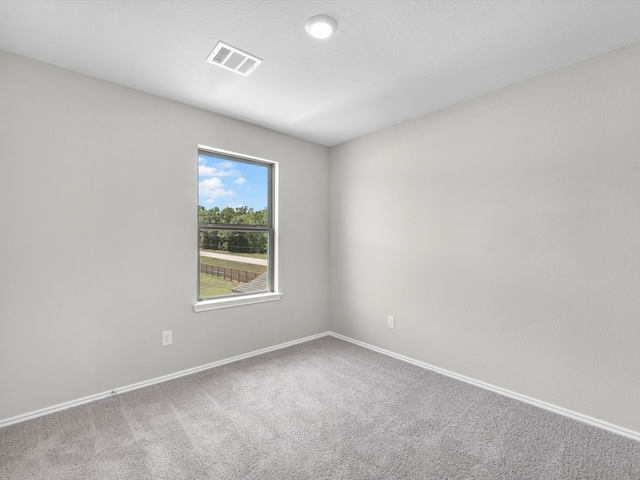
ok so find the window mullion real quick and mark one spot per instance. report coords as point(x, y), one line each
point(239, 228)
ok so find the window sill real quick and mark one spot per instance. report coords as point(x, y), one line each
point(217, 304)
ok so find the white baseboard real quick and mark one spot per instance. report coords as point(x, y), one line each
point(523, 398)
point(92, 398)
point(507, 393)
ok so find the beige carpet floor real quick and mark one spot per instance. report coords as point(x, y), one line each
point(325, 409)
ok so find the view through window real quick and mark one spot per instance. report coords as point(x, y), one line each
point(235, 222)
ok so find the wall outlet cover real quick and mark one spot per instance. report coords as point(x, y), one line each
point(167, 338)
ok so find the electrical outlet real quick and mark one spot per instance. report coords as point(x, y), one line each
point(391, 322)
point(167, 338)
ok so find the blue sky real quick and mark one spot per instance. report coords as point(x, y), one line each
point(224, 183)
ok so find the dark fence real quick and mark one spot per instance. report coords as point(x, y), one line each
point(240, 276)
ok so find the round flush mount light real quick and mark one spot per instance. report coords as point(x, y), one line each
point(320, 26)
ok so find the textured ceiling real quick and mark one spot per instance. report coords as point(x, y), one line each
point(388, 62)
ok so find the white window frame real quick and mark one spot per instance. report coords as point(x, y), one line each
point(246, 299)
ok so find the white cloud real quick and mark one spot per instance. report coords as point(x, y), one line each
point(211, 189)
point(223, 169)
point(226, 169)
point(211, 185)
point(227, 173)
point(205, 171)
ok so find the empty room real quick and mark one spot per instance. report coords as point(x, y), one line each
point(319, 239)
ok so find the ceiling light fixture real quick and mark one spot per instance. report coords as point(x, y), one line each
point(320, 26)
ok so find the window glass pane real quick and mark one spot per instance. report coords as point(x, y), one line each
point(233, 262)
point(235, 225)
point(232, 192)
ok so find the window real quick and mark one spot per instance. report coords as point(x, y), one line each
point(236, 234)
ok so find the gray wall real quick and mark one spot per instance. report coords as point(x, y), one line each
point(98, 196)
point(504, 235)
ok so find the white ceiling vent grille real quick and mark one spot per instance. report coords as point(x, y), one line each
point(231, 58)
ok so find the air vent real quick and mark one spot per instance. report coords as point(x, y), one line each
point(231, 58)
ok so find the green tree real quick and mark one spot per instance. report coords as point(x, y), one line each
point(237, 242)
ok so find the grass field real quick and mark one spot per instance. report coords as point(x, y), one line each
point(249, 267)
point(215, 287)
point(211, 286)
